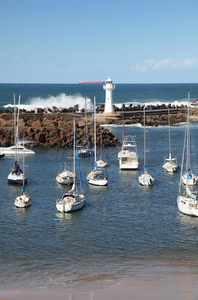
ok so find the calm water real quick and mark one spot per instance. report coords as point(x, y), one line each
point(123, 228)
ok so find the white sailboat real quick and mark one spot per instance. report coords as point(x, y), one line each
point(145, 179)
point(24, 199)
point(188, 177)
point(19, 145)
point(73, 200)
point(83, 150)
point(127, 156)
point(187, 201)
point(17, 176)
point(96, 176)
point(65, 176)
point(101, 163)
point(170, 164)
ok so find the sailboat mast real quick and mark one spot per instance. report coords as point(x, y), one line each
point(86, 119)
point(169, 133)
point(123, 119)
point(74, 151)
point(188, 141)
point(95, 128)
point(144, 140)
point(23, 189)
point(15, 124)
point(17, 131)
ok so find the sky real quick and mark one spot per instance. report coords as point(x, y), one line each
point(132, 41)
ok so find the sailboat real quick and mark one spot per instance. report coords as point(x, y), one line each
point(145, 179)
point(65, 176)
point(24, 199)
point(127, 156)
point(96, 176)
point(83, 150)
point(187, 202)
point(16, 175)
point(188, 178)
point(73, 200)
point(101, 163)
point(19, 145)
point(170, 164)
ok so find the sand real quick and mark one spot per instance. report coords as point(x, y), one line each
point(174, 288)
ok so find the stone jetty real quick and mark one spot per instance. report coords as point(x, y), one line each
point(54, 128)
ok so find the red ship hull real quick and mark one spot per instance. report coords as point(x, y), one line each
point(97, 82)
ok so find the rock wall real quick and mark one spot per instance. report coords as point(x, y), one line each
point(50, 130)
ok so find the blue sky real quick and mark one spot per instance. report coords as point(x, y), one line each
point(133, 41)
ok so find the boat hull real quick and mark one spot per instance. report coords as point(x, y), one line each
point(170, 167)
point(66, 181)
point(97, 177)
point(146, 180)
point(66, 207)
point(83, 154)
point(101, 163)
point(12, 150)
point(100, 182)
point(191, 181)
point(22, 201)
point(66, 177)
point(16, 179)
point(128, 163)
point(187, 205)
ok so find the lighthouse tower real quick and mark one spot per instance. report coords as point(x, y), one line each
point(109, 87)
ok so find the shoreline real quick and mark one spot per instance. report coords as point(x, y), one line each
point(149, 284)
point(148, 279)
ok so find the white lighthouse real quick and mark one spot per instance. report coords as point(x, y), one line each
point(109, 87)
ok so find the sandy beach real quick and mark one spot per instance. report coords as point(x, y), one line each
point(177, 288)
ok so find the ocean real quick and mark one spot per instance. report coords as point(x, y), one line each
point(66, 95)
point(125, 230)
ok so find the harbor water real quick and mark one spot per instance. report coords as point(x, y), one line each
point(124, 230)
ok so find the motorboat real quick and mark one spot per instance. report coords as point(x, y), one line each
point(19, 147)
point(127, 156)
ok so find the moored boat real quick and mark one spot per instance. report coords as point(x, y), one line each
point(75, 198)
point(187, 201)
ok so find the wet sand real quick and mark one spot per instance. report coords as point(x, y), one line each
point(176, 288)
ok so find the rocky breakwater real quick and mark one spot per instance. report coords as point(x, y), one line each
point(156, 115)
point(50, 130)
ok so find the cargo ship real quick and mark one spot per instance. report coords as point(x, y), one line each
point(96, 82)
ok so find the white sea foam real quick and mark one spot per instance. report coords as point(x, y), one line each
point(60, 101)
